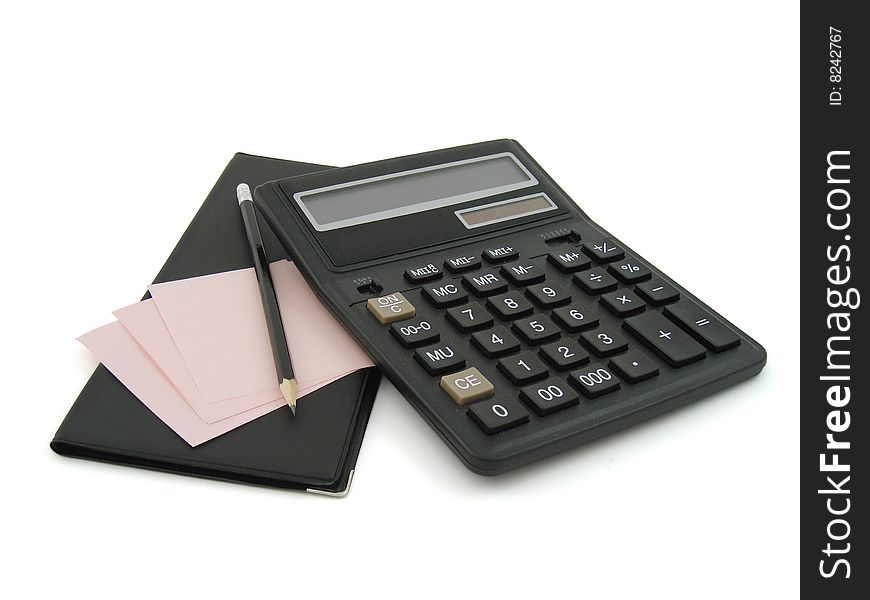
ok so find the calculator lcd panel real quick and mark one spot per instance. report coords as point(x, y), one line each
point(413, 191)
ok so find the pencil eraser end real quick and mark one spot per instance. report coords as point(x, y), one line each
point(243, 192)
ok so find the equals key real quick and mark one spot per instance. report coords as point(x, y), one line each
point(704, 327)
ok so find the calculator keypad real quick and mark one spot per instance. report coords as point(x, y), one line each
point(539, 321)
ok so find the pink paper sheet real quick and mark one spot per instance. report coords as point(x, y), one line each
point(216, 322)
point(142, 320)
point(127, 360)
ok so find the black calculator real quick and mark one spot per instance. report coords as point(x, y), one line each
point(515, 325)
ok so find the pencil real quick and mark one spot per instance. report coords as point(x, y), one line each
point(275, 325)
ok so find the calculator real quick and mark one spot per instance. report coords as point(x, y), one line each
point(513, 323)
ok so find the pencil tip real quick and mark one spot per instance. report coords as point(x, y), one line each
point(243, 192)
point(288, 389)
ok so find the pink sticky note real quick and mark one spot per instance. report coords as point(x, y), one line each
point(124, 357)
point(216, 322)
point(143, 322)
point(319, 345)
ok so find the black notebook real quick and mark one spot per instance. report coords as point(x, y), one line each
point(316, 451)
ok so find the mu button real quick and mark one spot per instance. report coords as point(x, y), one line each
point(467, 386)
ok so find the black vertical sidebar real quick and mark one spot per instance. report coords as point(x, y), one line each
point(834, 371)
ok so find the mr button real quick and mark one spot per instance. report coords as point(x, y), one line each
point(467, 386)
point(391, 308)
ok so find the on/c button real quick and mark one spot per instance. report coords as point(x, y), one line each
point(467, 386)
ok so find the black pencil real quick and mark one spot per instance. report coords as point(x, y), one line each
point(283, 365)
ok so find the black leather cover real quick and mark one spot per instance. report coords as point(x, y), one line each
point(316, 450)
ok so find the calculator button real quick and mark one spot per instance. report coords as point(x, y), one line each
point(510, 306)
point(574, 318)
point(630, 271)
point(470, 317)
point(605, 250)
point(604, 342)
point(665, 338)
point(485, 284)
point(500, 254)
point(416, 333)
point(704, 327)
point(547, 295)
point(536, 329)
point(495, 342)
point(460, 264)
point(423, 273)
point(445, 294)
point(564, 354)
point(522, 368)
point(634, 367)
point(549, 396)
point(658, 291)
point(440, 358)
point(523, 273)
point(467, 386)
point(623, 303)
point(496, 415)
point(391, 308)
point(595, 281)
point(594, 381)
point(569, 261)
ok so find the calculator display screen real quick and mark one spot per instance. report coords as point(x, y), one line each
point(413, 191)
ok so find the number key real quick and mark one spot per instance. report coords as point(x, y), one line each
point(536, 329)
point(495, 342)
point(496, 415)
point(564, 354)
point(522, 368)
point(604, 342)
point(574, 318)
point(546, 295)
point(415, 333)
point(549, 396)
point(594, 382)
point(470, 317)
point(510, 306)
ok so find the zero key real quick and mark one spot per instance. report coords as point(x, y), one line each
point(498, 414)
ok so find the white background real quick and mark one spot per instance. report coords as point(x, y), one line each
point(674, 126)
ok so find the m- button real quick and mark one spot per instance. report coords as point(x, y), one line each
point(467, 386)
point(391, 308)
